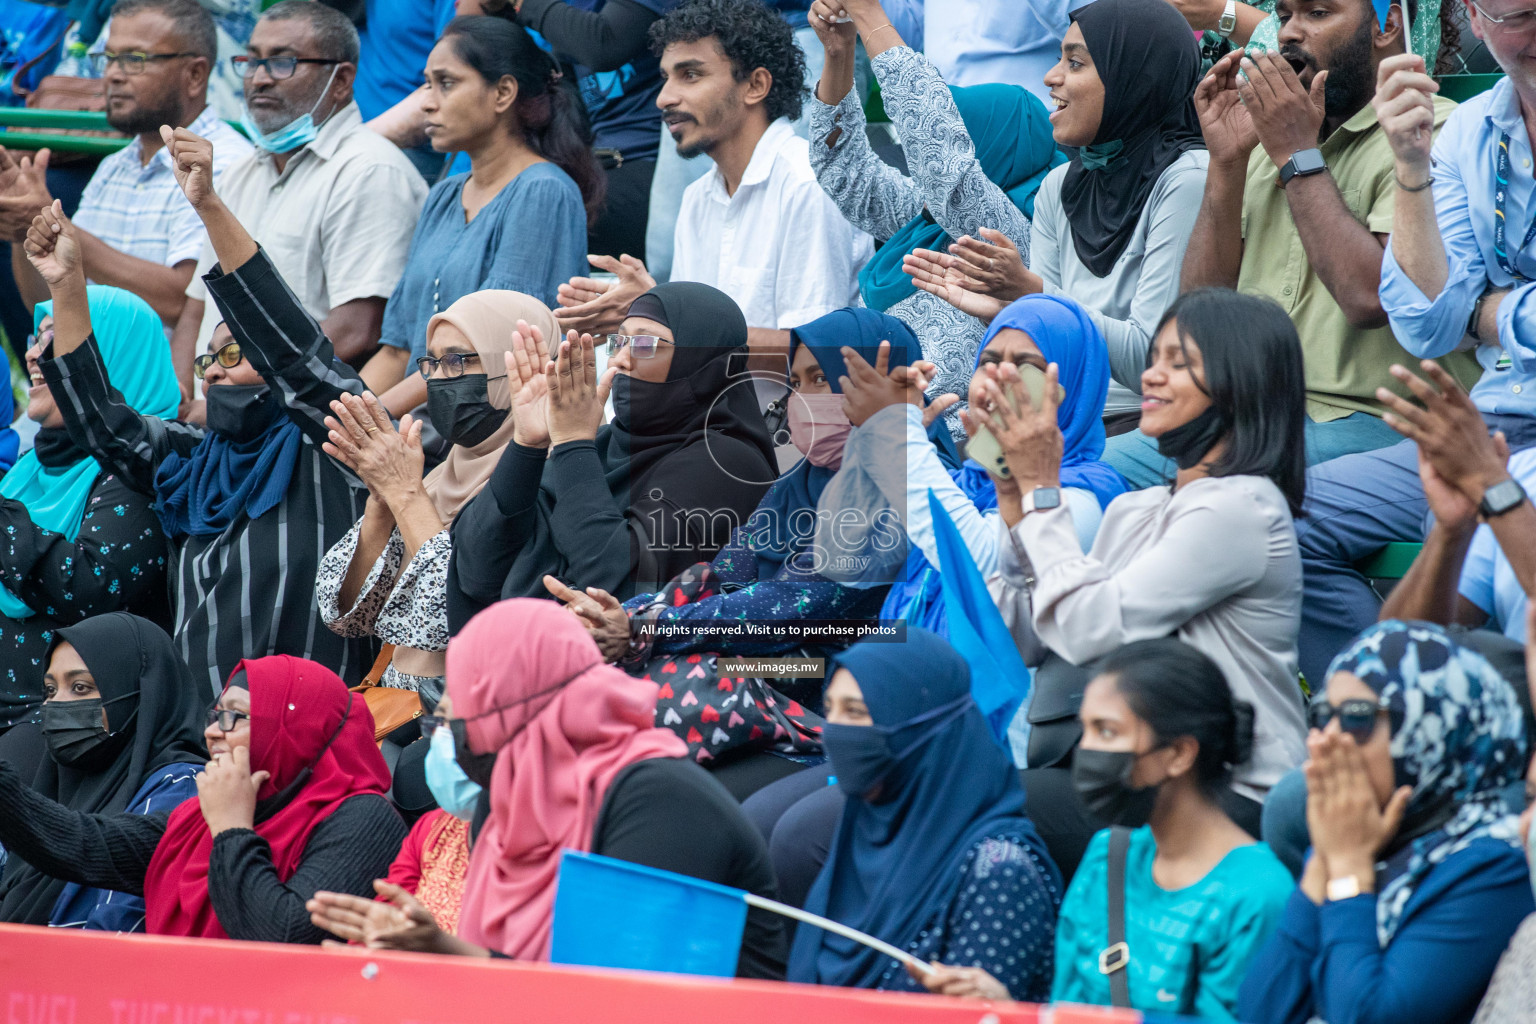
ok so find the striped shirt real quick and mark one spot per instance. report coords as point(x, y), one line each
point(138, 209)
point(250, 591)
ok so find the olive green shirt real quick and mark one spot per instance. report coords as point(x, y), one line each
point(1344, 365)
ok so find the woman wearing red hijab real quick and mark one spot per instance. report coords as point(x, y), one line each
point(568, 749)
point(292, 802)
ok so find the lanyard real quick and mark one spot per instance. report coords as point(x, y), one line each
point(1500, 197)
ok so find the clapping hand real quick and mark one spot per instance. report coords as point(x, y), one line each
point(576, 396)
point(946, 277)
point(1224, 120)
point(52, 247)
point(192, 163)
point(399, 921)
point(602, 614)
point(1286, 117)
point(920, 375)
point(530, 387)
point(994, 266)
point(364, 439)
point(599, 307)
point(868, 389)
point(23, 191)
point(1449, 431)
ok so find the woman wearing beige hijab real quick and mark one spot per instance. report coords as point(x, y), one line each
point(386, 578)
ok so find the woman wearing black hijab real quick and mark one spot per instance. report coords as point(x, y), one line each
point(123, 722)
point(627, 506)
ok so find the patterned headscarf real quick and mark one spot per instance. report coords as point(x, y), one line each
point(1457, 738)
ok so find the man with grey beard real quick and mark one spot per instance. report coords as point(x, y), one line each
point(137, 229)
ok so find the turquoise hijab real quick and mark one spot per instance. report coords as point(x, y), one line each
point(1011, 132)
point(137, 358)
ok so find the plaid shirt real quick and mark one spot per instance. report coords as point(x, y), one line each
point(138, 208)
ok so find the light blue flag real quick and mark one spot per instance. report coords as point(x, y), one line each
point(1000, 682)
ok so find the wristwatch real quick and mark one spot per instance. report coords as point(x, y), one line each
point(1302, 163)
point(1042, 499)
point(1228, 22)
point(1500, 498)
point(1346, 888)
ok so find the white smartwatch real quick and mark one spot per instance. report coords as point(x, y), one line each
point(1346, 888)
point(1227, 24)
point(1042, 499)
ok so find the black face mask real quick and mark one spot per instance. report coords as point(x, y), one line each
point(75, 734)
point(476, 766)
point(240, 412)
point(1188, 443)
point(1102, 779)
point(461, 409)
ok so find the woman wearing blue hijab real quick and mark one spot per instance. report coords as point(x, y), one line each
point(976, 156)
point(77, 540)
point(1034, 331)
point(933, 852)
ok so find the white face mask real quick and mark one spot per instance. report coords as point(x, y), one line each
point(301, 131)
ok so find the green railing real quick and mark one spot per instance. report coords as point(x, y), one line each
point(52, 122)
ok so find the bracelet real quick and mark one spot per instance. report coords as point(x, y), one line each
point(1413, 188)
point(878, 28)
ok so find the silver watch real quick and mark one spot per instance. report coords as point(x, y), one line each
point(1227, 24)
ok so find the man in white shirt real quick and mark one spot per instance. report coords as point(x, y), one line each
point(334, 206)
point(136, 228)
point(757, 226)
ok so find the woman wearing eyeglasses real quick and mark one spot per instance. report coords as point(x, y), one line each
point(123, 723)
point(626, 506)
point(291, 802)
point(76, 537)
point(518, 219)
point(388, 576)
point(1417, 879)
point(251, 504)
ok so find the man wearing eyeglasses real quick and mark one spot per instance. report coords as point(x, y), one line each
point(138, 230)
point(332, 203)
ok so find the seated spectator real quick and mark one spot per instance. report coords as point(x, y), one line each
point(292, 802)
point(1161, 736)
point(394, 40)
point(1227, 405)
point(1449, 273)
point(618, 75)
point(1110, 227)
point(251, 505)
point(388, 576)
point(977, 156)
point(1314, 244)
point(758, 227)
point(625, 506)
point(1034, 332)
point(332, 203)
point(1478, 564)
point(932, 852)
point(137, 229)
point(496, 96)
point(580, 767)
point(1417, 880)
point(123, 722)
point(79, 539)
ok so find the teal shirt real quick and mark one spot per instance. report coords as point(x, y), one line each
point(1190, 948)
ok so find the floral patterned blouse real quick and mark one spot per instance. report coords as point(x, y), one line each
point(115, 563)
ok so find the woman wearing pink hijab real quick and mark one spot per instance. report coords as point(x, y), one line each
point(567, 749)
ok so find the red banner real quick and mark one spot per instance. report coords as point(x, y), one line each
point(56, 976)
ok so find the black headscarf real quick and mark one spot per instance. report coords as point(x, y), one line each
point(127, 656)
point(1148, 60)
point(696, 442)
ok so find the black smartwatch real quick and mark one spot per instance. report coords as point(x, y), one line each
point(1500, 498)
point(1302, 163)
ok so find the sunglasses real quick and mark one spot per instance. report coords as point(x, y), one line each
point(1357, 718)
point(644, 346)
point(228, 357)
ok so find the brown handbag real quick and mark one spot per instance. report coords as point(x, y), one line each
point(391, 706)
point(66, 92)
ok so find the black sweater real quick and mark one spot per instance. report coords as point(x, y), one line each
point(345, 853)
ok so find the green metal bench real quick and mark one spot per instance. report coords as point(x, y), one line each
point(1391, 562)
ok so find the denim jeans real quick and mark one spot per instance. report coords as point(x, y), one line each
point(1355, 506)
point(675, 173)
point(1135, 455)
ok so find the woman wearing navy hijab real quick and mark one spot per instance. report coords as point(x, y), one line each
point(933, 852)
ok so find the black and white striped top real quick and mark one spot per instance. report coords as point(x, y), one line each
point(250, 591)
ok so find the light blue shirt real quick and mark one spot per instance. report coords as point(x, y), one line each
point(1487, 578)
point(974, 42)
point(1465, 183)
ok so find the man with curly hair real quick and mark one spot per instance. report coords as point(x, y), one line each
point(757, 226)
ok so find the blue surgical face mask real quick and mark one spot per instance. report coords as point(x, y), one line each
point(301, 131)
point(451, 788)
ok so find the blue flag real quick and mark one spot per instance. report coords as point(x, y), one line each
point(1000, 682)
